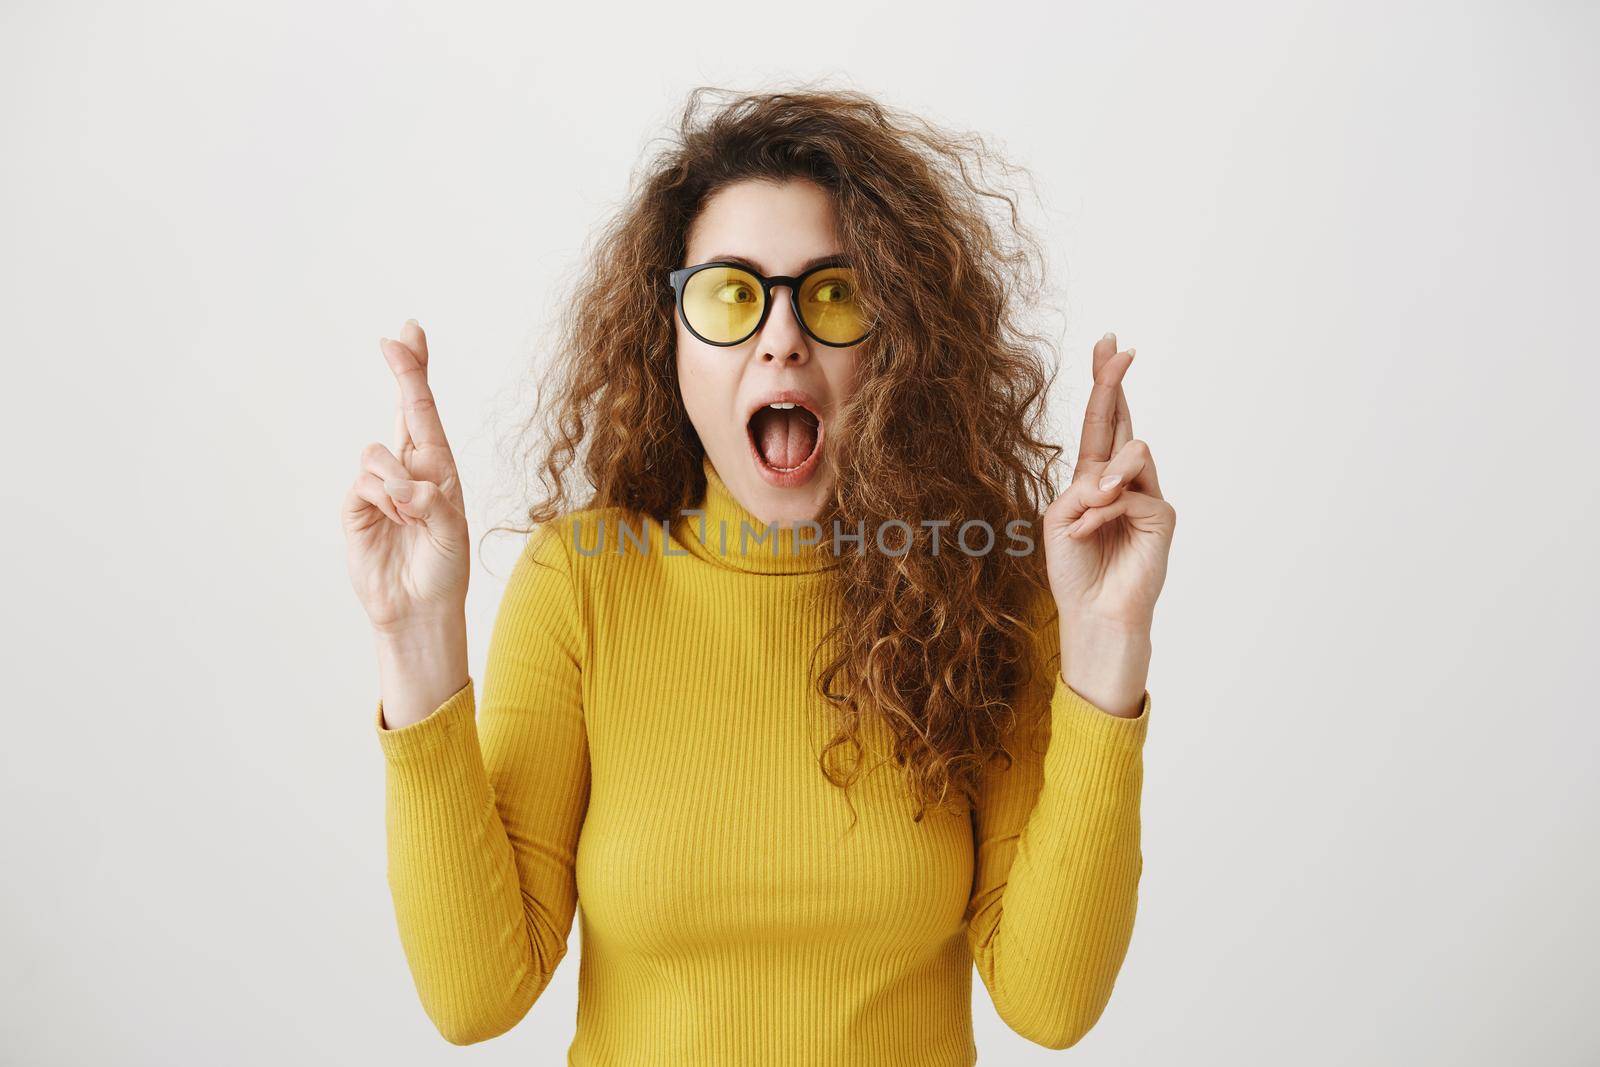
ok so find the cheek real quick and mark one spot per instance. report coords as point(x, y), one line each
point(704, 383)
point(843, 374)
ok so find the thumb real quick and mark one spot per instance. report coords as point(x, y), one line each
point(424, 500)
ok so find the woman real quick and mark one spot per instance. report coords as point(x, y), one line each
point(762, 701)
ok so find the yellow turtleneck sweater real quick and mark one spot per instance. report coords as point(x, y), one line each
point(646, 746)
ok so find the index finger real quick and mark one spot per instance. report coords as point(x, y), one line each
point(416, 399)
point(1100, 414)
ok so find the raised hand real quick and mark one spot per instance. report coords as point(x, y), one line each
point(1107, 538)
point(404, 521)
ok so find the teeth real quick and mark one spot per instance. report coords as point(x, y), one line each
point(781, 407)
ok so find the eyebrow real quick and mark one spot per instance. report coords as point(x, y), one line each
point(814, 261)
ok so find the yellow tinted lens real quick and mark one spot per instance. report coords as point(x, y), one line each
point(722, 303)
point(830, 306)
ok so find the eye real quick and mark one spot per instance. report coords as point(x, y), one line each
point(735, 293)
point(833, 291)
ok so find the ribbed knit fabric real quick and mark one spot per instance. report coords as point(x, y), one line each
point(646, 744)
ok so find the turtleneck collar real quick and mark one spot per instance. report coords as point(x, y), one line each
point(779, 551)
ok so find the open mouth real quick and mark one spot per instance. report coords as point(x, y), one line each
point(786, 442)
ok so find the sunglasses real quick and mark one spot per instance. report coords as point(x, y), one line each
point(725, 303)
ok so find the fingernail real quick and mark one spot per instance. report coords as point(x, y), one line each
point(382, 341)
point(1110, 481)
point(413, 322)
point(1110, 337)
point(1131, 352)
point(397, 489)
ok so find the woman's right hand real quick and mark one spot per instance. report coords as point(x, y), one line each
point(404, 522)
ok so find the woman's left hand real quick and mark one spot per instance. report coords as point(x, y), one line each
point(1106, 545)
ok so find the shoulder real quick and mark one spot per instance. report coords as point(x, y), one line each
point(590, 544)
point(551, 591)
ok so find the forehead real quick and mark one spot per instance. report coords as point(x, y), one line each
point(777, 226)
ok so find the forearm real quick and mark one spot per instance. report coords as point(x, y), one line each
point(419, 668)
point(479, 941)
point(1107, 664)
point(1069, 905)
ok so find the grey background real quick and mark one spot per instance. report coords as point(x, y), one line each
point(1354, 245)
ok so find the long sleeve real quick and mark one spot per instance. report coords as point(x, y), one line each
point(484, 806)
point(1058, 859)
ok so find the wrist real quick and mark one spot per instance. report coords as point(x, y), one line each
point(421, 635)
point(1090, 622)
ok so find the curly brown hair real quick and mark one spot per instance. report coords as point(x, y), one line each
point(946, 423)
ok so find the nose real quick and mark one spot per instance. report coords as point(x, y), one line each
point(781, 339)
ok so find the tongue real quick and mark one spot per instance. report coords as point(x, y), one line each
point(784, 438)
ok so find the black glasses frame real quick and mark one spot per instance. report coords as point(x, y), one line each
point(679, 280)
